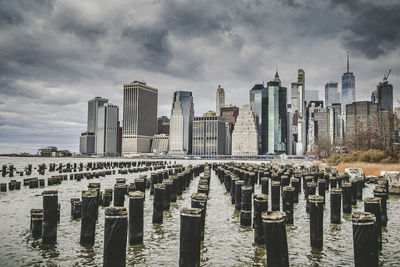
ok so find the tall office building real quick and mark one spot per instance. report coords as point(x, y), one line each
point(258, 104)
point(245, 134)
point(348, 95)
point(139, 117)
point(331, 94)
point(276, 118)
point(384, 92)
point(181, 123)
point(220, 100)
point(209, 135)
point(107, 130)
point(296, 125)
point(93, 106)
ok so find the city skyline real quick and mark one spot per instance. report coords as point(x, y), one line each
point(49, 73)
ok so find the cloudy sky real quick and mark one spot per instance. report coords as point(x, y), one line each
point(56, 55)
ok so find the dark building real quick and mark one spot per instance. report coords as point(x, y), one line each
point(385, 96)
point(163, 125)
point(230, 114)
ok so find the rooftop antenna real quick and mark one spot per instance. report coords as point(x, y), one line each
point(348, 65)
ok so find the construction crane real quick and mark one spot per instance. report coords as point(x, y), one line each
point(386, 76)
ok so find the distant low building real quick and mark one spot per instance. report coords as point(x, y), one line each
point(159, 144)
point(52, 151)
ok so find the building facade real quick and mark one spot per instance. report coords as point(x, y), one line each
point(361, 115)
point(163, 125)
point(87, 143)
point(245, 134)
point(331, 94)
point(139, 117)
point(181, 123)
point(107, 130)
point(209, 135)
point(220, 100)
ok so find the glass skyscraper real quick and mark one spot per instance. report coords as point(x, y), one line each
point(258, 104)
point(181, 122)
point(276, 118)
point(348, 95)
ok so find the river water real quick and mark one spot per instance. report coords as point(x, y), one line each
point(226, 242)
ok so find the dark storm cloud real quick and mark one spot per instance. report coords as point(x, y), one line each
point(373, 27)
point(55, 54)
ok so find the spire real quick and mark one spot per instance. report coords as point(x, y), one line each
point(348, 65)
point(277, 76)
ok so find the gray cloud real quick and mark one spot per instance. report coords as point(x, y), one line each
point(55, 55)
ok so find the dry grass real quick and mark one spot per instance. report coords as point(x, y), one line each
point(369, 168)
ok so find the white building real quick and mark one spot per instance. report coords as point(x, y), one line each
point(107, 129)
point(181, 123)
point(159, 144)
point(139, 117)
point(245, 134)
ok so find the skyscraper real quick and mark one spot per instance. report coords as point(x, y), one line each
point(139, 117)
point(93, 105)
point(220, 100)
point(181, 123)
point(331, 94)
point(296, 142)
point(107, 129)
point(258, 104)
point(277, 125)
point(348, 95)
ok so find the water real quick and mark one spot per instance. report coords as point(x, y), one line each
point(226, 242)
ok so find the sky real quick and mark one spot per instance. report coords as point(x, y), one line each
point(56, 55)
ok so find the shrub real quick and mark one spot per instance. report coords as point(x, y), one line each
point(388, 160)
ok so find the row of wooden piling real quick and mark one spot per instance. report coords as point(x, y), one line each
point(239, 180)
point(167, 185)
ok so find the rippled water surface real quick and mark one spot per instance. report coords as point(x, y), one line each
point(226, 242)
